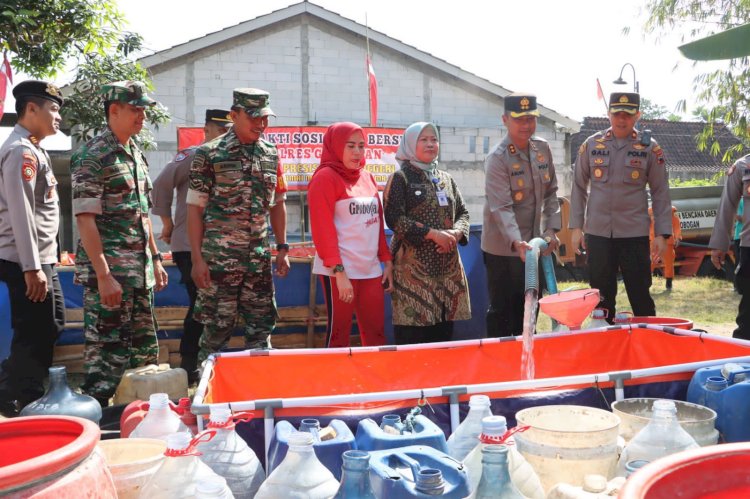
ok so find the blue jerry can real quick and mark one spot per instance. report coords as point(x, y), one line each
point(725, 389)
point(421, 431)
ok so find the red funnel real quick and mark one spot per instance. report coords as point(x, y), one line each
point(570, 307)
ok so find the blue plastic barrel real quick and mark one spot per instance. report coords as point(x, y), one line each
point(329, 452)
point(370, 435)
point(417, 471)
point(729, 396)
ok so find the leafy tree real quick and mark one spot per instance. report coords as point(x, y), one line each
point(652, 111)
point(43, 34)
point(725, 90)
point(84, 110)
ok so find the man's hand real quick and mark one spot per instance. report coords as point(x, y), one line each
point(200, 274)
point(110, 291)
point(161, 276)
point(658, 249)
point(166, 230)
point(36, 285)
point(552, 242)
point(521, 247)
point(717, 258)
point(282, 263)
point(577, 240)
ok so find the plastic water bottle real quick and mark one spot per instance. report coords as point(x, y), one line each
point(598, 318)
point(300, 475)
point(61, 400)
point(466, 436)
point(662, 436)
point(213, 488)
point(160, 420)
point(180, 472)
point(229, 456)
point(495, 482)
point(355, 477)
point(523, 476)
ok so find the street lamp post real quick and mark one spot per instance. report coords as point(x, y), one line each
point(620, 81)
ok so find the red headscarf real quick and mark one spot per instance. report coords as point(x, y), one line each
point(334, 142)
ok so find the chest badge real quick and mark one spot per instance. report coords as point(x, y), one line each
point(598, 161)
point(516, 166)
point(546, 177)
point(635, 175)
point(520, 182)
point(600, 146)
point(540, 158)
point(417, 193)
point(598, 173)
point(518, 196)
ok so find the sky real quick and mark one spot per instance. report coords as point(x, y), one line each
point(555, 49)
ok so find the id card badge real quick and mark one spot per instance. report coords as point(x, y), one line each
point(442, 198)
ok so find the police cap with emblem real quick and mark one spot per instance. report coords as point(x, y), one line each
point(521, 104)
point(253, 101)
point(219, 117)
point(38, 88)
point(625, 102)
point(129, 92)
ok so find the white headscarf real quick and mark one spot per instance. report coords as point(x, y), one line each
point(407, 150)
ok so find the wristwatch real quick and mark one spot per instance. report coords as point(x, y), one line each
point(157, 256)
point(338, 268)
point(282, 246)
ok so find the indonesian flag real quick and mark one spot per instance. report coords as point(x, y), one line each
point(599, 92)
point(373, 85)
point(6, 75)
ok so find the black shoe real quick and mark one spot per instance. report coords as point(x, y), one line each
point(669, 283)
point(194, 377)
point(9, 408)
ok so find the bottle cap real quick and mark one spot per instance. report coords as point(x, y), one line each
point(479, 401)
point(158, 401)
point(494, 425)
point(594, 483)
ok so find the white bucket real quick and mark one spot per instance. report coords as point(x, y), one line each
point(567, 442)
point(141, 382)
point(132, 461)
point(698, 420)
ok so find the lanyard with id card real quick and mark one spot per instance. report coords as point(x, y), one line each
point(441, 195)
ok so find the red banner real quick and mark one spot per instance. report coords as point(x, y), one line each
point(6, 76)
point(300, 148)
point(372, 84)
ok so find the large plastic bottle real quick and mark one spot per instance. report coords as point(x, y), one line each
point(61, 400)
point(598, 318)
point(179, 474)
point(496, 482)
point(213, 488)
point(300, 475)
point(662, 436)
point(160, 420)
point(466, 436)
point(495, 431)
point(355, 476)
point(229, 456)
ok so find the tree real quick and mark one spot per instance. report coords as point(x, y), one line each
point(44, 34)
point(83, 111)
point(652, 111)
point(725, 91)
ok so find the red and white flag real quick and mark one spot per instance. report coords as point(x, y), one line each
point(373, 86)
point(6, 76)
point(599, 92)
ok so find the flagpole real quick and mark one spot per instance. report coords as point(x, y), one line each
point(367, 66)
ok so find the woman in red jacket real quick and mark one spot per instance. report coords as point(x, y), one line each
point(346, 220)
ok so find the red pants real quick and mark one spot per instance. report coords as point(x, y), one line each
point(368, 304)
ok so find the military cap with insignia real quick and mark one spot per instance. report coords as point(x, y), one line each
point(253, 101)
point(521, 104)
point(129, 92)
point(38, 88)
point(219, 117)
point(626, 102)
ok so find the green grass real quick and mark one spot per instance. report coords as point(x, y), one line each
point(710, 303)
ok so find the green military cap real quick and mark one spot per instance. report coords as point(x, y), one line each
point(38, 88)
point(130, 92)
point(255, 102)
point(520, 104)
point(627, 102)
point(219, 117)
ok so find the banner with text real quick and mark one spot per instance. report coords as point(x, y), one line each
point(300, 148)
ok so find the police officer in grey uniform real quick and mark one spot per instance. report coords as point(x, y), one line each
point(29, 220)
point(737, 186)
point(618, 164)
point(175, 177)
point(521, 204)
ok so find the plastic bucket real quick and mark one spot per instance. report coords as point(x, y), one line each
point(715, 472)
point(663, 321)
point(566, 442)
point(132, 461)
point(696, 419)
point(52, 457)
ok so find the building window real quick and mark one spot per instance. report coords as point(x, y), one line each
point(486, 144)
point(473, 144)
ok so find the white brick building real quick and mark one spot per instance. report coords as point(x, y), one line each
point(312, 61)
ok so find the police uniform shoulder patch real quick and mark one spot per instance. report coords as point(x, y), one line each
point(511, 149)
point(29, 166)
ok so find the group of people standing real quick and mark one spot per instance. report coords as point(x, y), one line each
point(231, 187)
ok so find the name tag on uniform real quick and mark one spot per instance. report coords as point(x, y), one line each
point(226, 166)
point(442, 198)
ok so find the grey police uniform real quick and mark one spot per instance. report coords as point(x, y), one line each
point(614, 215)
point(737, 186)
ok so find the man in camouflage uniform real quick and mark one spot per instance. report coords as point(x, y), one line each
point(29, 219)
point(235, 183)
point(521, 204)
point(619, 163)
point(174, 177)
point(117, 261)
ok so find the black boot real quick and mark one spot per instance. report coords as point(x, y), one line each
point(669, 283)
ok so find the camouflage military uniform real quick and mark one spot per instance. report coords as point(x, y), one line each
point(241, 184)
point(111, 180)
